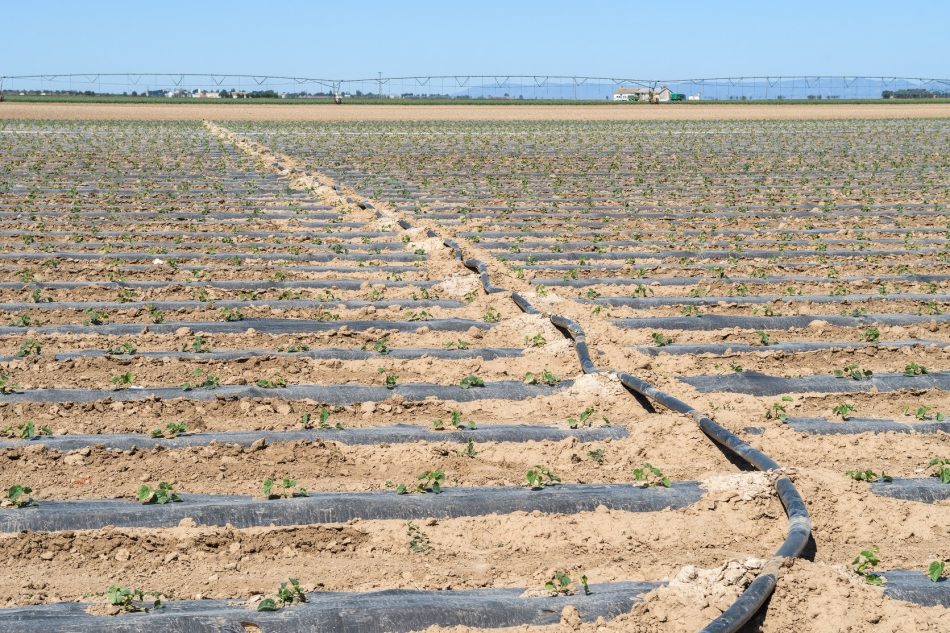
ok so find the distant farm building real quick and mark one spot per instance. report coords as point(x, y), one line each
point(651, 95)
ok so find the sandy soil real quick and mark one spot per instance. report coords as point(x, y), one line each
point(267, 112)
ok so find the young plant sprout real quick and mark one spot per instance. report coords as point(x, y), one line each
point(429, 481)
point(161, 494)
point(288, 593)
point(125, 599)
point(649, 475)
point(864, 563)
point(17, 496)
point(471, 381)
point(541, 476)
point(283, 489)
point(171, 430)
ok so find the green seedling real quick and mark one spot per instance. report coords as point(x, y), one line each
point(545, 377)
point(199, 345)
point(205, 381)
point(96, 317)
point(232, 314)
point(581, 419)
point(273, 383)
point(641, 291)
point(459, 424)
point(765, 339)
point(29, 347)
point(23, 320)
point(865, 562)
point(776, 412)
point(429, 481)
point(156, 315)
point(126, 349)
point(586, 586)
point(852, 371)
point(491, 316)
point(913, 369)
point(469, 450)
point(941, 469)
point(25, 431)
point(597, 455)
point(935, 570)
point(736, 367)
point(844, 410)
point(296, 347)
point(418, 541)
point(541, 476)
point(171, 430)
point(17, 496)
point(382, 346)
point(661, 340)
point(560, 584)
point(161, 494)
point(8, 387)
point(923, 412)
point(537, 340)
point(285, 490)
point(125, 599)
point(287, 594)
point(868, 475)
point(872, 335)
point(649, 475)
point(457, 344)
point(422, 315)
point(122, 380)
point(471, 381)
point(391, 381)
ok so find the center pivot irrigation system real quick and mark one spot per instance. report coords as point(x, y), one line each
point(190, 299)
point(464, 87)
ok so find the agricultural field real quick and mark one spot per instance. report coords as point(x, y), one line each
point(449, 376)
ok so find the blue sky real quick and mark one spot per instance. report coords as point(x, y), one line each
point(667, 40)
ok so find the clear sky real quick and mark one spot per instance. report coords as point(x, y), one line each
point(342, 39)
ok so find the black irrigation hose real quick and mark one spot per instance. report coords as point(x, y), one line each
point(914, 586)
point(227, 284)
point(484, 353)
point(923, 490)
point(708, 322)
point(576, 333)
point(340, 507)
point(394, 434)
point(389, 611)
point(654, 302)
point(330, 394)
point(755, 383)
point(282, 257)
point(799, 529)
point(524, 304)
point(852, 426)
point(720, 349)
point(289, 304)
point(261, 326)
point(693, 281)
point(482, 270)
